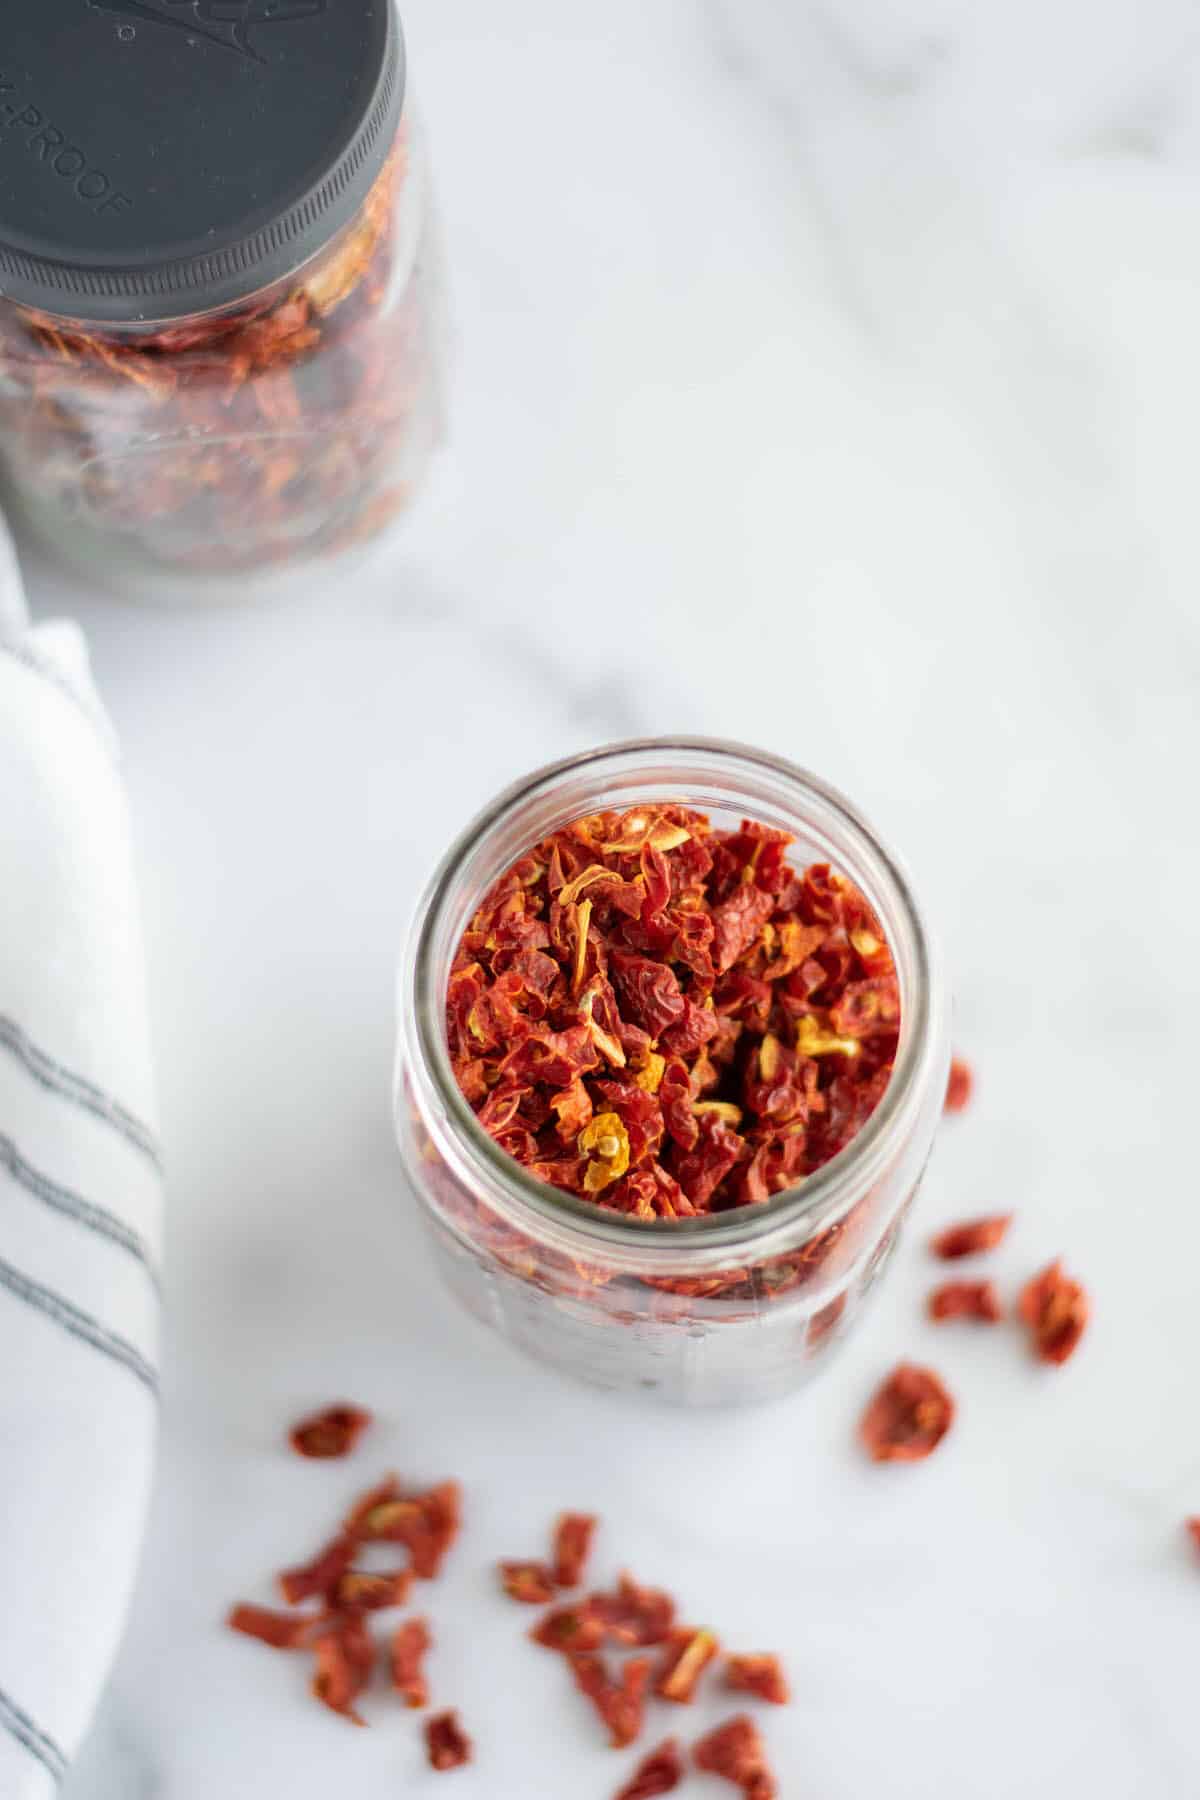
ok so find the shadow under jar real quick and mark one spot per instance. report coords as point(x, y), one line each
point(219, 298)
point(718, 1309)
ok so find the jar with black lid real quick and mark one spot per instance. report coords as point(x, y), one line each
point(219, 307)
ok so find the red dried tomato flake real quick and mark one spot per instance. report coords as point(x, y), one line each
point(688, 1655)
point(360, 1591)
point(633, 1614)
point(971, 1238)
point(761, 1675)
point(531, 1583)
point(446, 1743)
point(406, 1654)
point(966, 1300)
point(735, 1751)
point(621, 1704)
point(345, 1655)
point(1192, 1527)
point(908, 1417)
point(319, 1578)
point(1056, 1309)
point(573, 1536)
point(667, 1019)
point(960, 1086)
point(427, 1524)
point(659, 1773)
point(570, 1628)
point(282, 1631)
point(333, 1432)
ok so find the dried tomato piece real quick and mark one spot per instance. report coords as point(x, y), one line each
point(966, 1300)
point(1192, 1527)
point(633, 1614)
point(406, 1654)
point(319, 1578)
point(621, 1704)
point(909, 1416)
point(735, 1751)
point(282, 1631)
point(659, 1773)
point(426, 1523)
point(446, 1743)
point(333, 1432)
point(345, 1655)
point(573, 1536)
point(360, 1591)
point(972, 1237)
point(357, 1522)
point(570, 1628)
point(761, 1675)
point(960, 1086)
point(532, 1583)
point(688, 1655)
point(1056, 1310)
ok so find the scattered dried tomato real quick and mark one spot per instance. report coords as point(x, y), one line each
point(426, 1523)
point(761, 1675)
point(532, 1583)
point(345, 1655)
point(971, 1238)
point(667, 1019)
point(688, 1655)
point(320, 1577)
point(446, 1742)
point(572, 1545)
point(966, 1300)
point(406, 1654)
point(960, 1086)
point(621, 1704)
point(282, 1631)
point(633, 1614)
point(735, 1751)
point(570, 1628)
point(1056, 1309)
point(333, 1432)
point(909, 1416)
point(360, 1591)
point(659, 1773)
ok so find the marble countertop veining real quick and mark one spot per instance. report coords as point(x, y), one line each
point(825, 378)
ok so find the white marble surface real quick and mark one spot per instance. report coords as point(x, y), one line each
point(826, 378)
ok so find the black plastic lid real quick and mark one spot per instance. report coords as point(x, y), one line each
point(162, 157)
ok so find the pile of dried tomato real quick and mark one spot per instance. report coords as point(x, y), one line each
point(666, 1019)
point(912, 1410)
point(335, 1628)
point(626, 1621)
point(259, 424)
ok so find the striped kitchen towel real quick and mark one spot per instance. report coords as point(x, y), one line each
point(80, 1201)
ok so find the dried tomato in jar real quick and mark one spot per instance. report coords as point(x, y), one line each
point(218, 302)
point(673, 1052)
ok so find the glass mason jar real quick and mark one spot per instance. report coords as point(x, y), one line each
point(728, 1307)
point(219, 294)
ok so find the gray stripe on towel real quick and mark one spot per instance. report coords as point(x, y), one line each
point(77, 1089)
point(80, 1324)
point(95, 1218)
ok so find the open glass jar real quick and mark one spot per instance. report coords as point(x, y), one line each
point(219, 305)
point(724, 1308)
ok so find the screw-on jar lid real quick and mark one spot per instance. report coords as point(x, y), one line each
point(162, 157)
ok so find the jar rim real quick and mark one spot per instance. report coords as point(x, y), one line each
point(534, 1204)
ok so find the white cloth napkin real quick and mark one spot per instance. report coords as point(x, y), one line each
point(80, 1201)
